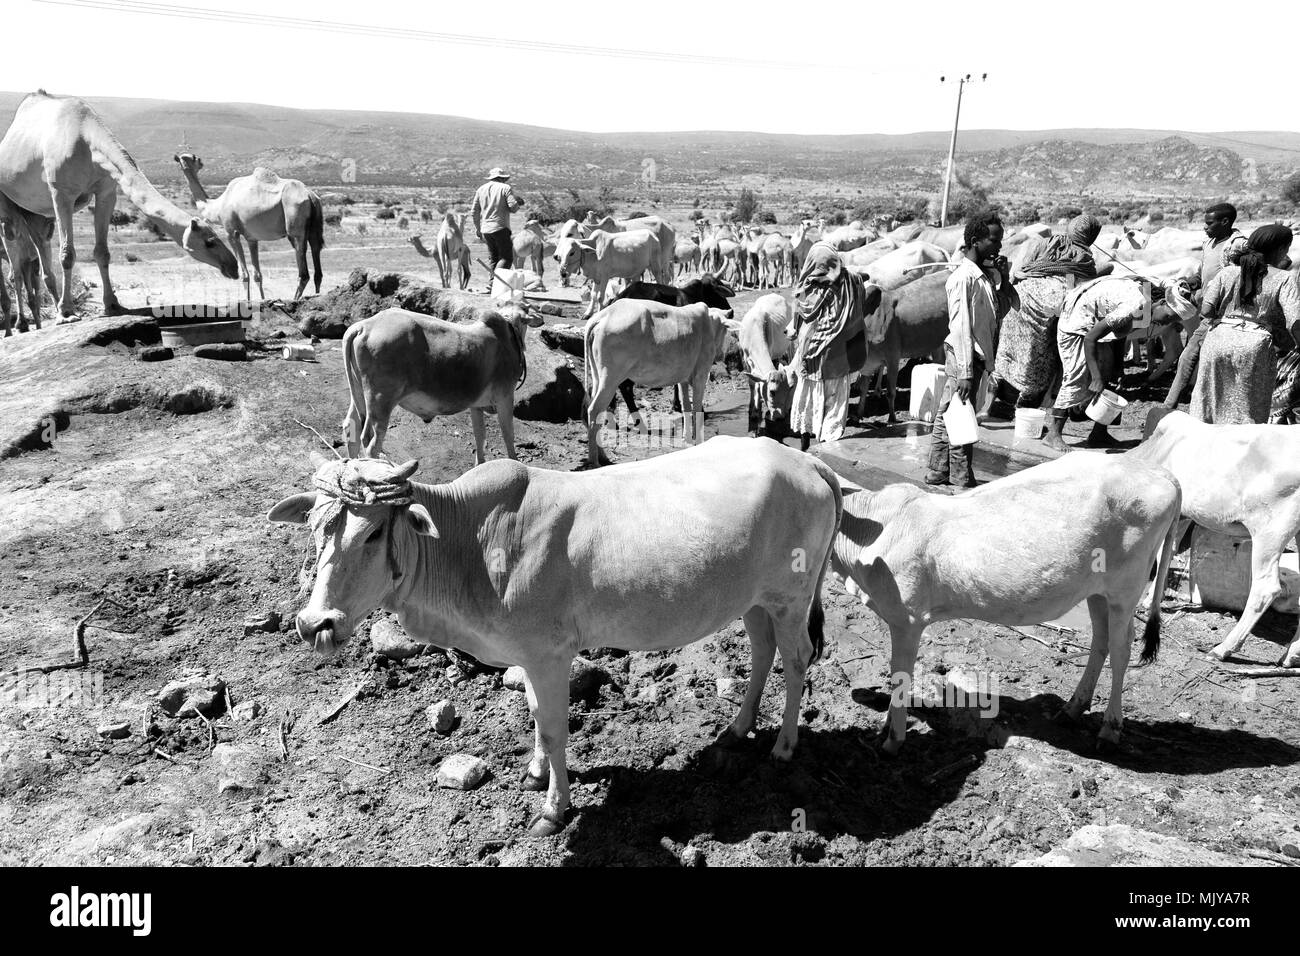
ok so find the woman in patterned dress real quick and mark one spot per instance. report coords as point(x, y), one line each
point(1246, 306)
point(1027, 355)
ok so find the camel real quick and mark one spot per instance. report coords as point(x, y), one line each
point(57, 156)
point(775, 256)
point(262, 207)
point(533, 247)
point(687, 255)
point(22, 236)
point(452, 247)
point(423, 250)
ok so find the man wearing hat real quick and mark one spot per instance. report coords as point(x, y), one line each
point(494, 201)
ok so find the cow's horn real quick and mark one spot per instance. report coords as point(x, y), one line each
point(407, 470)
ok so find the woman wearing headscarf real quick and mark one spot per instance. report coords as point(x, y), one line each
point(1027, 354)
point(831, 344)
point(1249, 309)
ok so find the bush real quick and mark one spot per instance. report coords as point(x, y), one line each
point(426, 216)
point(696, 215)
point(1063, 212)
point(346, 201)
point(836, 217)
point(766, 217)
point(1155, 215)
point(334, 219)
point(121, 217)
point(149, 226)
point(1291, 189)
point(403, 223)
point(637, 214)
point(746, 207)
point(361, 229)
point(385, 213)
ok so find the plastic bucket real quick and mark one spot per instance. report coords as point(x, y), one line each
point(1029, 422)
point(1105, 408)
point(959, 419)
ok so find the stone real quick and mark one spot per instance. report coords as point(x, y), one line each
point(246, 710)
point(442, 716)
point(692, 856)
point(204, 693)
point(239, 767)
point(114, 731)
point(268, 623)
point(222, 351)
point(513, 679)
point(731, 689)
point(1123, 845)
point(156, 353)
point(462, 772)
point(387, 639)
point(586, 679)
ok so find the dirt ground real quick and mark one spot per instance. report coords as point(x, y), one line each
point(165, 514)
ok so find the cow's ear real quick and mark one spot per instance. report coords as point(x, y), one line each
point(874, 295)
point(422, 521)
point(293, 510)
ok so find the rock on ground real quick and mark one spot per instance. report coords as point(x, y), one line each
point(204, 693)
point(114, 731)
point(1123, 845)
point(513, 679)
point(222, 351)
point(442, 716)
point(586, 679)
point(389, 640)
point(247, 710)
point(238, 767)
point(462, 772)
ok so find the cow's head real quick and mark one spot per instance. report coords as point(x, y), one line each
point(362, 550)
point(569, 250)
point(711, 292)
point(775, 393)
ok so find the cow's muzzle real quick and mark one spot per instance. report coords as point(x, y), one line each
point(325, 632)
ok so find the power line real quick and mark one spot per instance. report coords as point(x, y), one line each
point(145, 8)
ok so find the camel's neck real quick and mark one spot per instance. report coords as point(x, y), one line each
point(419, 247)
point(110, 155)
point(197, 192)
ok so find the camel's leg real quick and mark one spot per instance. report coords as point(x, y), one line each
point(1265, 586)
point(238, 246)
point(105, 200)
point(480, 435)
point(300, 253)
point(1081, 699)
point(254, 253)
point(63, 209)
point(316, 274)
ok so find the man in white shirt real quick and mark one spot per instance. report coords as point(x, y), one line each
point(979, 295)
point(494, 201)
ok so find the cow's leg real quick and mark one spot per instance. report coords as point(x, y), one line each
point(904, 643)
point(506, 419)
point(1121, 643)
point(625, 390)
point(891, 386)
point(791, 627)
point(762, 646)
point(1292, 656)
point(698, 385)
point(1265, 586)
point(63, 210)
point(547, 687)
point(378, 411)
point(597, 407)
point(1081, 699)
point(480, 435)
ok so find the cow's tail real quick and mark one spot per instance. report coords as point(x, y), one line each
point(1151, 633)
point(588, 374)
point(356, 416)
point(816, 616)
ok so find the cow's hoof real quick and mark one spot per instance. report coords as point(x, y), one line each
point(729, 741)
point(543, 826)
point(534, 784)
point(1219, 653)
point(1066, 717)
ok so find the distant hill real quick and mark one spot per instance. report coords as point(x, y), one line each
point(448, 151)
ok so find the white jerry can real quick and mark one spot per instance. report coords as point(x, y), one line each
point(926, 391)
point(1220, 573)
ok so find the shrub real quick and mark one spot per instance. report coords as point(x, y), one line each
point(1063, 212)
point(637, 214)
point(121, 217)
point(746, 206)
point(346, 201)
point(385, 213)
point(149, 226)
point(836, 217)
point(403, 223)
point(361, 229)
point(426, 216)
point(696, 215)
point(1291, 189)
point(766, 217)
point(1155, 215)
point(334, 219)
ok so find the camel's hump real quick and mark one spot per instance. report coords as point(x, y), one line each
point(264, 175)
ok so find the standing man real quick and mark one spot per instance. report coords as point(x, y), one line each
point(1226, 243)
point(494, 201)
point(979, 295)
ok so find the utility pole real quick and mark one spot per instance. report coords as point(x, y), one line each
point(952, 144)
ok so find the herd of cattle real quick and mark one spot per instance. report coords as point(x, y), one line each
point(527, 566)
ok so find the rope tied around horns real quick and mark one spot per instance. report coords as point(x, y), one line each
point(364, 482)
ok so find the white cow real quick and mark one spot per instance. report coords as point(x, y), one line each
point(528, 566)
point(901, 266)
point(653, 345)
point(1241, 480)
point(603, 256)
point(766, 341)
point(1012, 552)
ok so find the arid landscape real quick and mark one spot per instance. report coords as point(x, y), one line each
point(139, 490)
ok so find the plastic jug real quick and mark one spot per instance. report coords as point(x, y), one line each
point(925, 392)
point(959, 419)
point(508, 287)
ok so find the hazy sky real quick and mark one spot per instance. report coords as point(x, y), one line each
point(858, 66)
